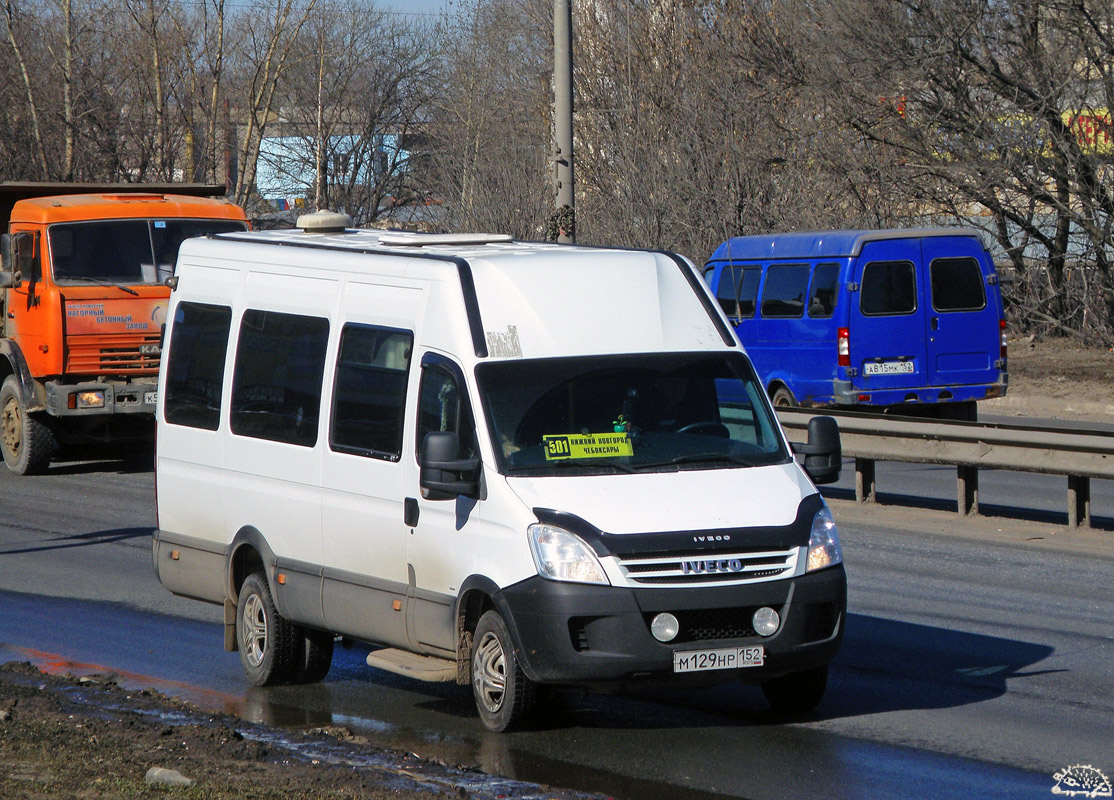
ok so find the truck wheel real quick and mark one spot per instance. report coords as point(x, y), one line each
point(502, 691)
point(270, 646)
point(25, 440)
point(783, 397)
point(318, 657)
point(797, 692)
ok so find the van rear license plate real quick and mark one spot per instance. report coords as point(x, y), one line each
point(726, 658)
point(888, 368)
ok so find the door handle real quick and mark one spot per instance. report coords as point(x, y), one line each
point(410, 512)
point(935, 323)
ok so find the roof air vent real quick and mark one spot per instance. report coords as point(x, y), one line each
point(324, 222)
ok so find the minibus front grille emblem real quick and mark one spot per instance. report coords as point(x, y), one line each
point(682, 569)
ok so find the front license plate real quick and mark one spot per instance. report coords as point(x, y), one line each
point(150, 398)
point(888, 368)
point(726, 658)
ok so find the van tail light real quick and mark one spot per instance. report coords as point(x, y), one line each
point(843, 346)
point(1002, 337)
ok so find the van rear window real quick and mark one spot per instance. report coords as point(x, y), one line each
point(276, 385)
point(888, 287)
point(195, 365)
point(957, 285)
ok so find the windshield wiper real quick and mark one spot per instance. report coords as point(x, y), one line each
point(592, 462)
point(700, 458)
point(99, 282)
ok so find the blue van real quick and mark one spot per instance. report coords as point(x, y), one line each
point(902, 321)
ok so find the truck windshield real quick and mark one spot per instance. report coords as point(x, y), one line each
point(628, 413)
point(126, 251)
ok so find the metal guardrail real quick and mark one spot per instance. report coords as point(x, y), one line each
point(970, 446)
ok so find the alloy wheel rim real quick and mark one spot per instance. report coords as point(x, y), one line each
point(489, 672)
point(255, 630)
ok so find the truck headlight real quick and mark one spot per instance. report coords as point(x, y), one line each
point(823, 544)
point(563, 556)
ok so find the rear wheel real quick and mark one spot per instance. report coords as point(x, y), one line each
point(782, 397)
point(270, 646)
point(26, 442)
point(502, 691)
point(318, 656)
point(797, 692)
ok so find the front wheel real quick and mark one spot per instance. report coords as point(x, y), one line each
point(25, 441)
point(502, 691)
point(270, 650)
point(797, 692)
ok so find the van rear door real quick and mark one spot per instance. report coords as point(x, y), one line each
point(886, 319)
point(962, 314)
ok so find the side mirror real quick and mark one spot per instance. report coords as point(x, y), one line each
point(823, 452)
point(9, 278)
point(444, 475)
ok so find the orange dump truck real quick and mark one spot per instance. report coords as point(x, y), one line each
point(83, 300)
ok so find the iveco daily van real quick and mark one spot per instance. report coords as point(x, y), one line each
point(499, 463)
point(909, 321)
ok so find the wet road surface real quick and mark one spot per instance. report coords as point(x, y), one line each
point(968, 668)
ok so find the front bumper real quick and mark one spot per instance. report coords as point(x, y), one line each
point(569, 633)
point(119, 398)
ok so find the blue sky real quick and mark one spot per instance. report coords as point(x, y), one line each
point(414, 6)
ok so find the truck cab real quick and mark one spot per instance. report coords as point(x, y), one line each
point(83, 297)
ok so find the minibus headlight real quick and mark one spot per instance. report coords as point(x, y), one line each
point(563, 556)
point(823, 544)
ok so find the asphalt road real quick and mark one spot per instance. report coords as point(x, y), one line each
point(974, 665)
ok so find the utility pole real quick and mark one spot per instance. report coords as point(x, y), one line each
point(562, 120)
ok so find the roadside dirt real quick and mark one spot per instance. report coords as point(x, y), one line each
point(85, 737)
point(1060, 379)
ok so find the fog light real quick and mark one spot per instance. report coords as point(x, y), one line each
point(665, 627)
point(90, 399)
point(766, 621)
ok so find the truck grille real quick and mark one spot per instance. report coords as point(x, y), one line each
point(113, 355)
point(688, 569)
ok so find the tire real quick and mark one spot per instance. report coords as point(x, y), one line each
point(503, 693)
point(270, 647)
point(782, 397)
point(26, 442)
point(797, 692)
point(317, 656)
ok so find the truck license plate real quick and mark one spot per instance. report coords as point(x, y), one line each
point(726, 658)
point(888, 368)
point(150, 398)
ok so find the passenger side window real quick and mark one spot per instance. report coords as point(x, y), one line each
point(822, 299)
point(785, 289)
point(195, 365)
point(957, 285)
point(369, 396)
point(443, 405)
point(737, 291)
point(276, 384)
point(889, 287)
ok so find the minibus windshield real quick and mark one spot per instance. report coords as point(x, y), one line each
point(659, 412)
